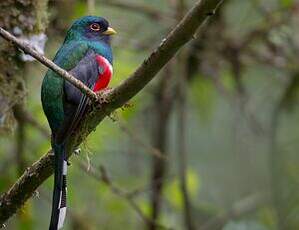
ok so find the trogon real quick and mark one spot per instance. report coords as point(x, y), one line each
point(86, 53)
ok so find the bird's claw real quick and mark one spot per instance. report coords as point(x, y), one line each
point(103, 99)
point(103, 95)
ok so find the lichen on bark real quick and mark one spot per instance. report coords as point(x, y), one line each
point(23, 18)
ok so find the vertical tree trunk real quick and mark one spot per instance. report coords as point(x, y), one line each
point(23, 18)
point(163, 108)
point(181, 139)
point(181, 105)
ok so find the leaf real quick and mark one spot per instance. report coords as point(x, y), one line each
point(173, 191)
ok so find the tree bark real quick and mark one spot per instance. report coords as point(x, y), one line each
point(23, 18)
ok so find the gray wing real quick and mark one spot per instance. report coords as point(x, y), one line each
point(75, 102)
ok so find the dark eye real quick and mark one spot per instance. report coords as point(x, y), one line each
point(95, 27)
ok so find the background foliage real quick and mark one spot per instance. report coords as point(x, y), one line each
point(241, 117)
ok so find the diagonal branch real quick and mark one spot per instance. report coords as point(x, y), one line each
point(36, 174)
point(148, 11)
point(61, 72)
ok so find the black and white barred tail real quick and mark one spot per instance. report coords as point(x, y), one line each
point(60, 189)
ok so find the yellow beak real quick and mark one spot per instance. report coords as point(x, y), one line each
point(109, 31)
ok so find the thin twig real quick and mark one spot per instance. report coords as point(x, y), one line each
point(102, 175)
point(148, 11)
point(137, 140)
point(47, 62)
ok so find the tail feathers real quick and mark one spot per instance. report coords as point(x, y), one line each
point(59, 191)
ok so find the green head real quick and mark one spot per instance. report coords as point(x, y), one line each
point(93, 30)
point(90, 28)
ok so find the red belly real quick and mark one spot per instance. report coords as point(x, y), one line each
point(105, 75)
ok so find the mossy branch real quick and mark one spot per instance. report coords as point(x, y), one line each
point(36, 174)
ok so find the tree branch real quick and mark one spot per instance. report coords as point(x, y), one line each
point(61, 72)
point(148, 11)
point(35, 175)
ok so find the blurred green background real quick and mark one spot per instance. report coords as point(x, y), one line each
point(227, 105)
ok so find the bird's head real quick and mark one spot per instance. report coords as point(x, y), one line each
point(91, 28)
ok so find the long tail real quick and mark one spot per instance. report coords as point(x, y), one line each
point(59, 191)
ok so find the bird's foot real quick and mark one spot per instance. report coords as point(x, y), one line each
point(103, 95)
point(103, 99)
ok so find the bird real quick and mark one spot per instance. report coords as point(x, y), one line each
point(86, 53)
